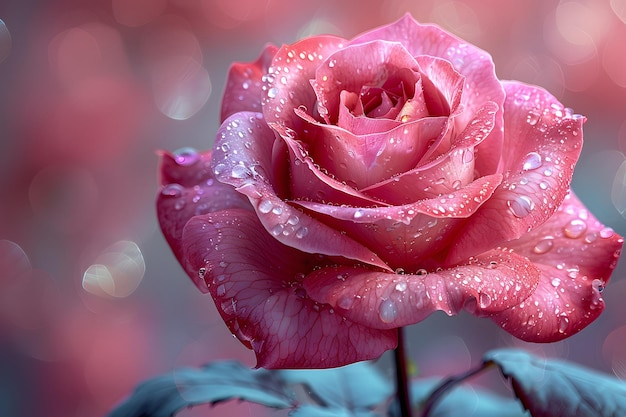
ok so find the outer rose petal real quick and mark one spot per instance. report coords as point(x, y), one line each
point(410, 236)
point(255, 282)
point(188, 189)
point(475, 64)
point(542, 143)
point(244, 86)
point(287, 86)
point(576, 255)
point(243, 158)
point(491, 282)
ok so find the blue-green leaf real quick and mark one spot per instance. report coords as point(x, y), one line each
point(550, 387)
point(352, 387)
point(354, 390)
point(165, 395)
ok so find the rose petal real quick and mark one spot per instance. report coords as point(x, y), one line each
point(491, 282)
point(242, 157)
point(407, 236)
point(576, 255)
point(243, 90)
point(539, 163)
point(287, 85)
point(310, 183)
point(351, 117)
point(364, 160)
point(373, 64)
point(473, 63)
point(442, 174)
point(188, 189)
point(255, 282)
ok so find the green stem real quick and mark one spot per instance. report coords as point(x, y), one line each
point(402, 382)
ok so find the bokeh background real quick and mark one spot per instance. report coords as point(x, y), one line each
point(91, 299)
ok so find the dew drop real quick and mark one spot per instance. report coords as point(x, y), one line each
point(543, 246)
point(201, 273)
point(302, 232)
point(532, 118)
point(555, 282)
point(468, 156)
point(265, 206)
point(272, 92)
point(277, 229)
point(186, 156)
point(532, 161)
point(388, 311)
point(221, 290)
point(521, 206)
point(358, 213)
point(401, 286)
point(606, 233)
point(345, 301)
point(179, 204)
point(484, 300)
point(575, 229)
point(563, 324)
point(590, 238)
point(240, 171)
point(421, 272)
point(172, 190)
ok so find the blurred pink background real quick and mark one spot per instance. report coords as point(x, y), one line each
point(91, 299)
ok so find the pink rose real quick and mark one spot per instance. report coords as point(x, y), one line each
point(356, 186)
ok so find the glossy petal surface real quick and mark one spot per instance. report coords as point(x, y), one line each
point(576, 255)
point(256, 283)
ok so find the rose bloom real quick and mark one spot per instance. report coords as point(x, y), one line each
point(356, 186)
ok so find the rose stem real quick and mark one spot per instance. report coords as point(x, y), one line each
point(402, 383)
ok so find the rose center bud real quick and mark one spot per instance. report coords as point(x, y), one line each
point(378, 113)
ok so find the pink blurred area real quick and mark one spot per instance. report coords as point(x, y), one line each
point(91, 299)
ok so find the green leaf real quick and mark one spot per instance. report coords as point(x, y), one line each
point(550, 387)
point(165, 395)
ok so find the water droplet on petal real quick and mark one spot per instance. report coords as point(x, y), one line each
point(302, 232)
point(606, 233)
point(532, 118)
point(563, 324)
point(543, 246)
point(240, 171)
point(388, 311)
point(421, 271)
point(179, 204)
point(172, 190)
point(345, 301)
point(468, 156)
point(272, 92)
point(521, 206)
point(575, 228)
point(265, 206)
point(484, 300)
point(555, 282)
point(358, 213)
point(186, 156)
point(401, 286)
point(532, 161)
